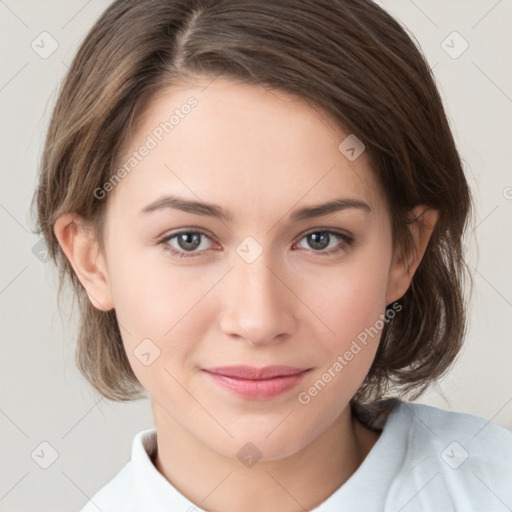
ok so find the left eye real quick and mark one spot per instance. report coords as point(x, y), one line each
point(190, 243)
point(321, 240)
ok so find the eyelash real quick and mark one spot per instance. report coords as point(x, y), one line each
point(347, 241)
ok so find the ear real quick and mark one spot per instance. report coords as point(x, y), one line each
point(78, 243)
point(403, 267)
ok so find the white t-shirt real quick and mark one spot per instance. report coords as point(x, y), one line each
point(426, 459)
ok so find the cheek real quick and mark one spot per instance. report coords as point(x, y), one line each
point(161, 310)
point(352, 299)
point(151, 293)
point(352, 304)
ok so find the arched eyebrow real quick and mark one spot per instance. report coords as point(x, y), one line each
point(216, 211)
point(189, 206)
point(338, 204)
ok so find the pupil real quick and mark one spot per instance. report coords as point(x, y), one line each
point(318, 240)
point(188, 241)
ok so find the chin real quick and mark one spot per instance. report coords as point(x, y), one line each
point(266, 443)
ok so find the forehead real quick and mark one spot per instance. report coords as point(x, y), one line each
point(240, 145)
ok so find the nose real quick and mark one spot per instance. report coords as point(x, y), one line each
point(258, 306)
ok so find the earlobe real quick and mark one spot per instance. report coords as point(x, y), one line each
point(77, 241)
point(422, 223)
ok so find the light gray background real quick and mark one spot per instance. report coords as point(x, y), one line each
point(43, 398)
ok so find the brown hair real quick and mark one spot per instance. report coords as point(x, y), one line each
point(347, 56)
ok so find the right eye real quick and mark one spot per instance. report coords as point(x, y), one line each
point(185, 243)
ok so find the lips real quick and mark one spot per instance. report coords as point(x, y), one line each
point(251, 373)
point(256, 383)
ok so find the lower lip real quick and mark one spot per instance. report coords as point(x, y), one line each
point(258, 389)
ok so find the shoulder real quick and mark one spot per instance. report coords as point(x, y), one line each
point(436, 426)
point(115, 495)
point(120, 493)
point(461, 457)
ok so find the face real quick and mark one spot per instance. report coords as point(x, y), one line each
point(261, 278)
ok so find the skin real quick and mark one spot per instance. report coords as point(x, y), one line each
point(260, 155)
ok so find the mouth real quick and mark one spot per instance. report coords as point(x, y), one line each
point(257, 383)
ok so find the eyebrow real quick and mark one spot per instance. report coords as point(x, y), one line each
point(213, 210)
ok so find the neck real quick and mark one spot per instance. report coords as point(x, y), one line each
point(298, 482)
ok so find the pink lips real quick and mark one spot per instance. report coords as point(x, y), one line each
point(257, 383)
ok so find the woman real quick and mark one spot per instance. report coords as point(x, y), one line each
point(261, 208)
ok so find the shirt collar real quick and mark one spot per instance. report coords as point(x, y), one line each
point(153, 491)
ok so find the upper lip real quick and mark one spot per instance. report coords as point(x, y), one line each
point(252, 373)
